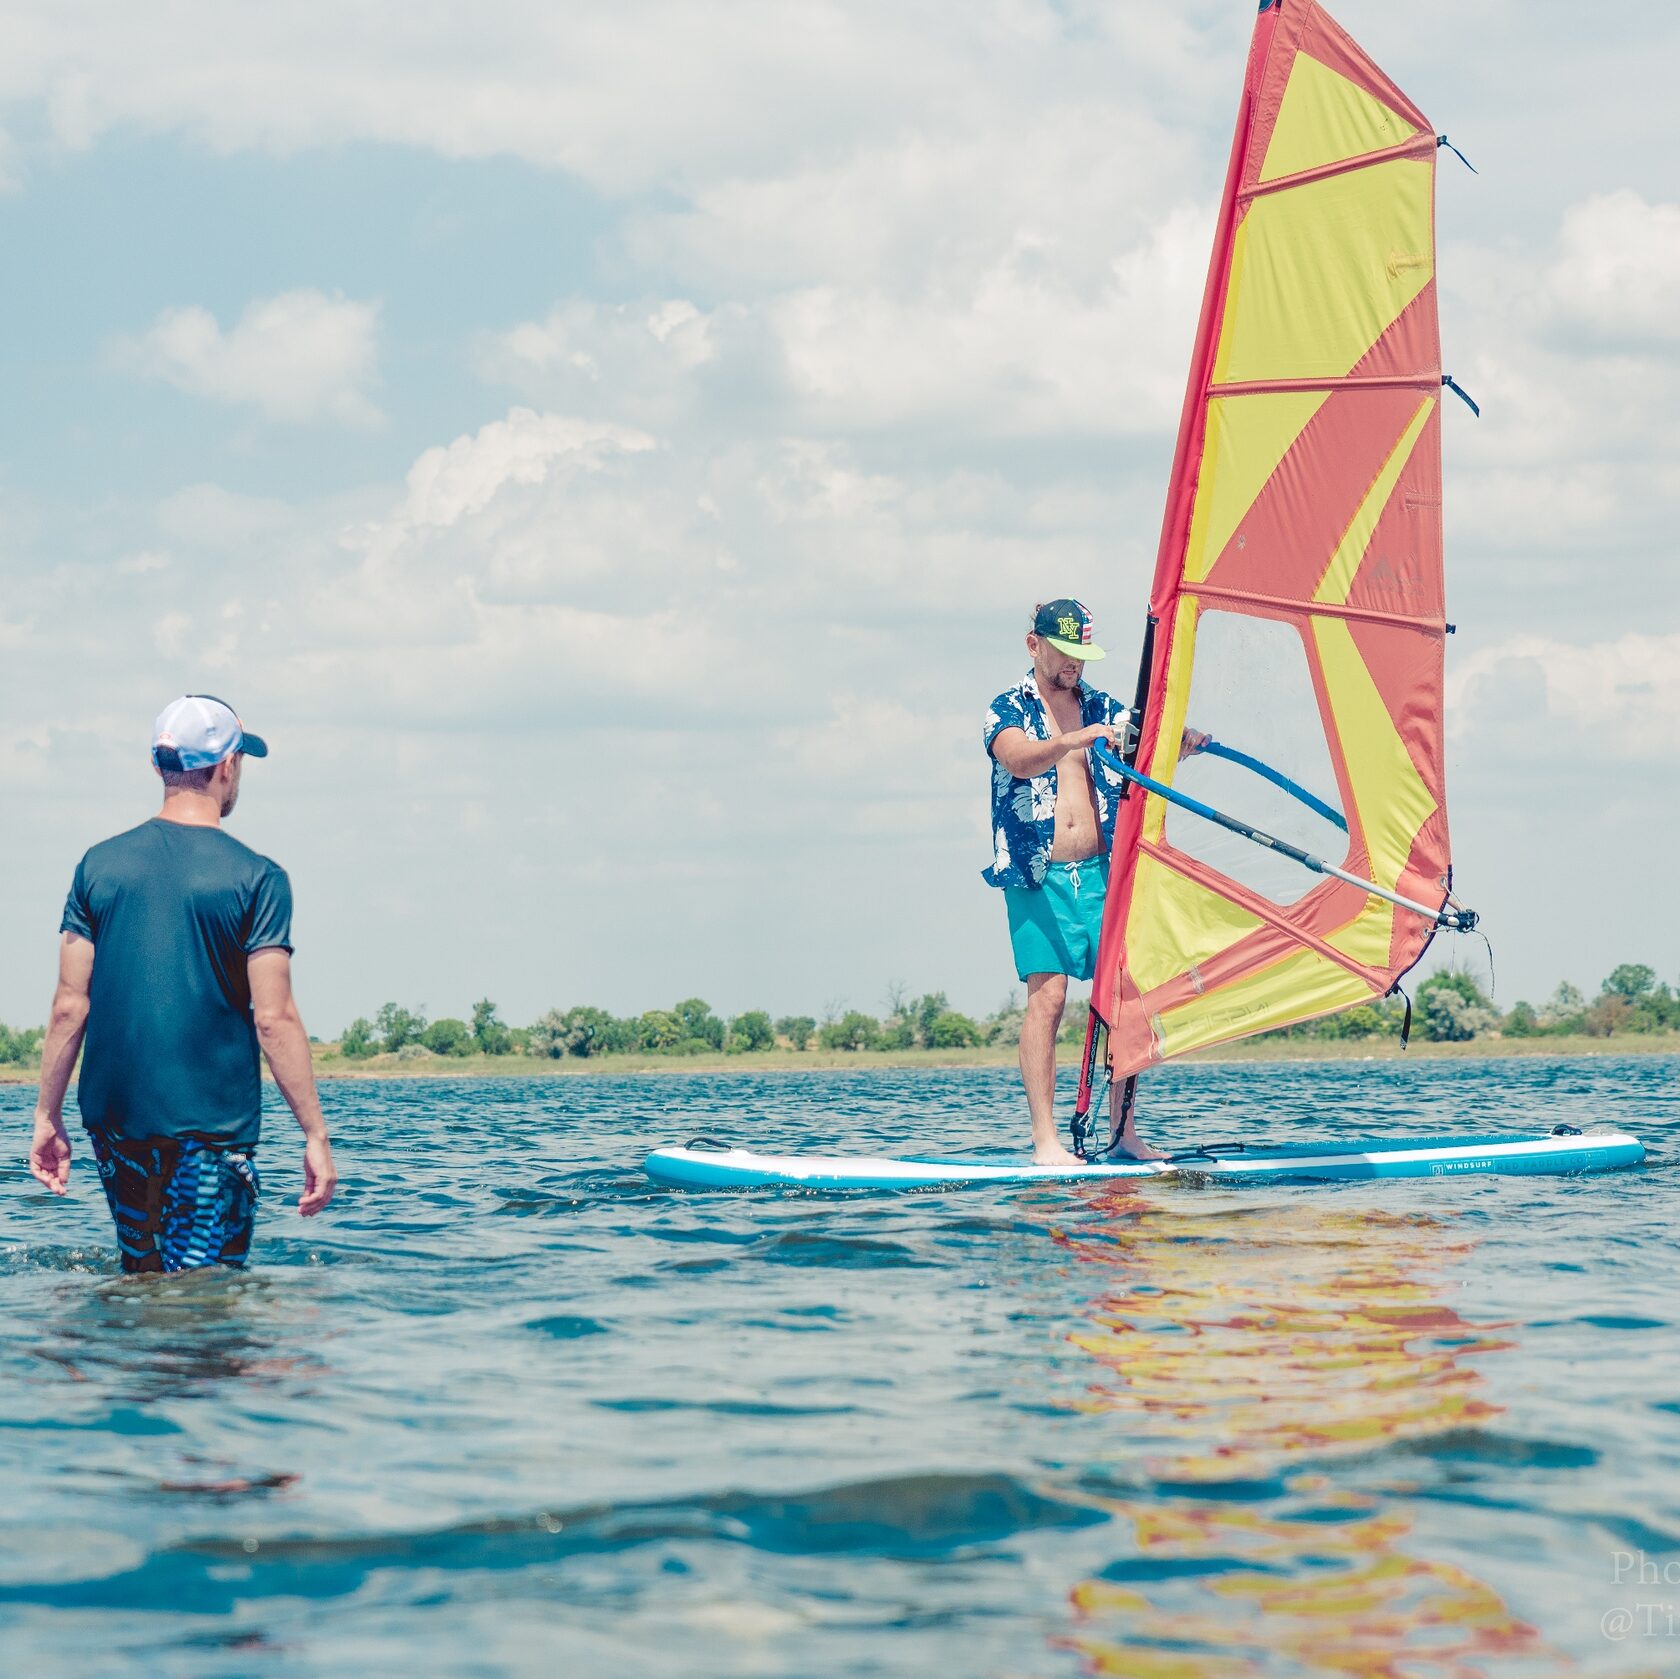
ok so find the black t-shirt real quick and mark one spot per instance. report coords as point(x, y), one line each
point(173, 911)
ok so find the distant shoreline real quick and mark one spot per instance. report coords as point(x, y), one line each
point(329, 1065)
point(830, 1060)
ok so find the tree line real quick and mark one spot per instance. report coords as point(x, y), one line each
point(1447, 1007)
point(1451, 1007)
point(690, 1027)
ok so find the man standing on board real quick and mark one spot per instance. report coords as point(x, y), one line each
point(1053, 810)
point(175, 963)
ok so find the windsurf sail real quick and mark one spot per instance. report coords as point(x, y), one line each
point(1298, 603)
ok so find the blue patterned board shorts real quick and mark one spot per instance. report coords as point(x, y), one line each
point(178, 1203)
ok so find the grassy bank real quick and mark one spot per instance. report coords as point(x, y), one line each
point(329, 1064)
point(809, 1061)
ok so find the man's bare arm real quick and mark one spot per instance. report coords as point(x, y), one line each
point(286, 1045)
point(49, 1150)
point(1025, 757)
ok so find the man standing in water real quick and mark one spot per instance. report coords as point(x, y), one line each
point(1053, 810)
point(175, 963)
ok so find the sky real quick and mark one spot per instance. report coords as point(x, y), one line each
point(611, 453)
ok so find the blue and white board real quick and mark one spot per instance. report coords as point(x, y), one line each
point(712, 1167)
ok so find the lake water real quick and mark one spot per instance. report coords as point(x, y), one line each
point(508, 1409)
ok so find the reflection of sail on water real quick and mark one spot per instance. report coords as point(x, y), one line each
point(1297, 611)
point(1251, 1355)
point(1277, 1341)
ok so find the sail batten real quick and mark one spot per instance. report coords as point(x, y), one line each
point(1324, 609)
point(1298, 601)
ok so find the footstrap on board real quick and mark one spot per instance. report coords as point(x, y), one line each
point(1205, 1151)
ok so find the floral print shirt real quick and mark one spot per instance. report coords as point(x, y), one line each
point(1024, 811)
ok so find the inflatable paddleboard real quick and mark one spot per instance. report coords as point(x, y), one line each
point(707, 1165)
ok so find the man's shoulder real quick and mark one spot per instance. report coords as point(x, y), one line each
point(1100, 704)
point(144, 842)
point(251, 861)
point(1013, 699)
point(116, 847)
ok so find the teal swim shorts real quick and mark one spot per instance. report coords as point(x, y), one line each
point(1054, 927)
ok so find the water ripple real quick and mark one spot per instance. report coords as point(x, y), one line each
point(492, 1415)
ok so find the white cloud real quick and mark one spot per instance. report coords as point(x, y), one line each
point(1008, 341)
point(148, 559)
point(905, 211)
point(208, 639)
point(299, 357)
point(210, 516)
point(1550, 698)
point(646, 359)
point(25, 756)
point(1617, 274)
point(1558, 498)
point(449, 483)
point(1015, 349)
point(646, 94)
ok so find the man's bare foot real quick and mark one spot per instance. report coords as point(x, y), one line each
point(1053, 1154)
point(1130, 1148)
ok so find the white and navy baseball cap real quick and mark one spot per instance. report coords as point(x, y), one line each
point(198, 731)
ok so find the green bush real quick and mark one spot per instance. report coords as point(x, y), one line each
point(1610, 1015)
point(1564, 1011)
point(1631, 980)
point(356, 1041)
point(1449, 979)
point(926, 1009)
point(854, 1030)
point(590, 1031)
point(696, 1020)
point(398, 1028)
point(1004, 1028)
point(658, 1030)
point(951, 1030)
point(897, 1033)
point(546, 1035)
point(1452, 1009)
point(20, 1048)
point(490, 1032)
point(752, 1031)
point(798, 1029)
point(448, 1037)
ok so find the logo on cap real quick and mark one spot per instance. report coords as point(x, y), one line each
point(1066, 623)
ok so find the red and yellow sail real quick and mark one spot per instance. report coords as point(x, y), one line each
point(1298, 586)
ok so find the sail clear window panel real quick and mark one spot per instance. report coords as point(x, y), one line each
point(1252, 690)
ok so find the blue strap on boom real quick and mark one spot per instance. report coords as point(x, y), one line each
point(1278, 779)
point(1454, 919)
point(1183, 800)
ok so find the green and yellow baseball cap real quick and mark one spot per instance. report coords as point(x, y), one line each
point(1066, 625)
